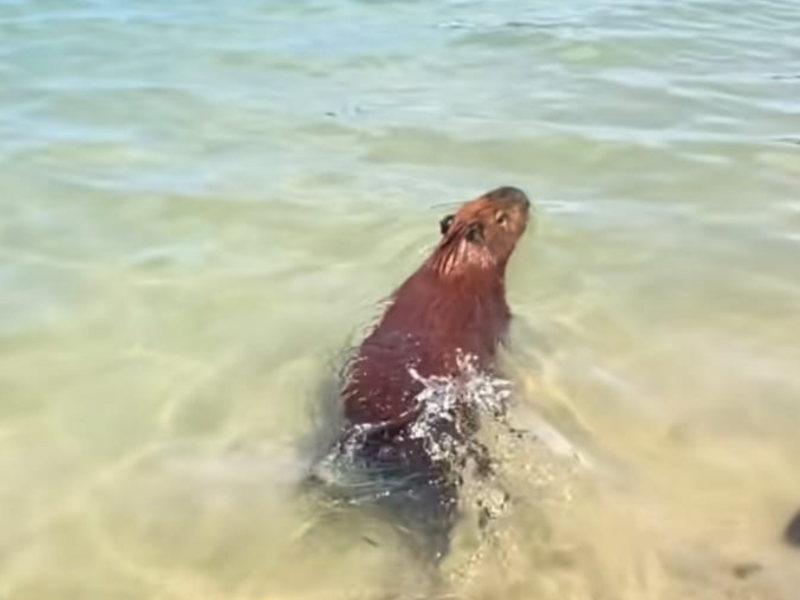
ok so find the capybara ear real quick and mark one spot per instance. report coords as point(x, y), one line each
point(444, 224)
point(792, 534)
point(474, 233)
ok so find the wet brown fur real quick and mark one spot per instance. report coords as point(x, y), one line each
point(455, 302)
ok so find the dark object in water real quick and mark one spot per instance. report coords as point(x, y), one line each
point(792, 533)
point(747, 569)
point(453, 306)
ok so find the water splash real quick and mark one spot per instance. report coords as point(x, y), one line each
point(444, 398)
point(441, 421)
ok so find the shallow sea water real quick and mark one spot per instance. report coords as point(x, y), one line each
point(203, 203)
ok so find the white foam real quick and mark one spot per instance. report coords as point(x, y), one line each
point(443, 397)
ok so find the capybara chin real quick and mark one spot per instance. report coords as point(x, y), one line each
point(453, 305)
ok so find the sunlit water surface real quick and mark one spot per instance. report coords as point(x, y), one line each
point(202, 205)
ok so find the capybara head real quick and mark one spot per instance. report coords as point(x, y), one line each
point(483, 233)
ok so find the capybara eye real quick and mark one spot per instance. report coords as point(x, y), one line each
point(474, 233)
point(501, 218)
point(444, 224)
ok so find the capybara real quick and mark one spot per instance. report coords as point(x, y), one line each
point(451, 307)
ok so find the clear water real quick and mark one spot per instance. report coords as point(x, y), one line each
point(203, 203)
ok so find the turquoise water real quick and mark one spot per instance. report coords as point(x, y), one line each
point(203, 203)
